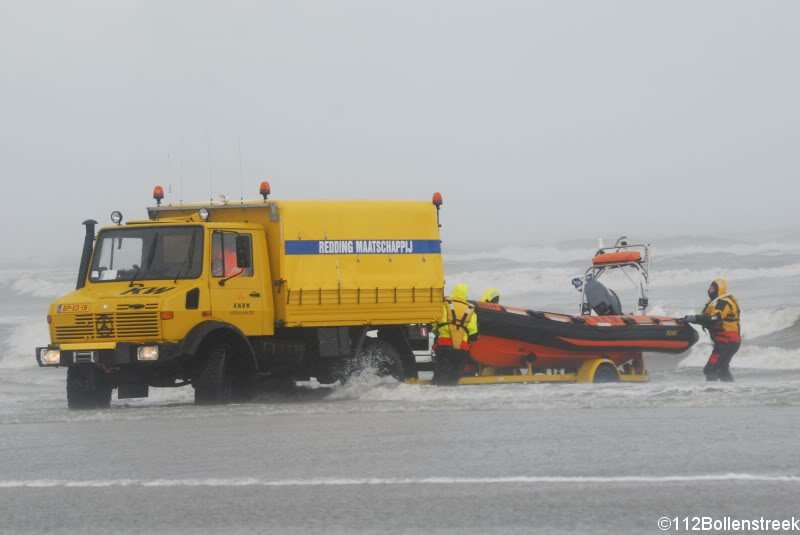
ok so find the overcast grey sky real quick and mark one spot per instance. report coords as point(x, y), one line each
point(536, 120)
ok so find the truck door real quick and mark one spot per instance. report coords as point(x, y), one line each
point(237, 294)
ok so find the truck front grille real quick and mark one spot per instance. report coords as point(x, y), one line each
point(80, 328)
point(114, 326)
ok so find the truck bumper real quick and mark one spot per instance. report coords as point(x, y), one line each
point(105, 354)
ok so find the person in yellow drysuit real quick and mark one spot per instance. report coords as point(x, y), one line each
point(491, 295)
point(720, 318)
point(454, 333)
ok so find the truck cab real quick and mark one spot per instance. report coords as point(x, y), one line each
point(224, 296)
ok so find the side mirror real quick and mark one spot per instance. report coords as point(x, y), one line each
point(243, 259)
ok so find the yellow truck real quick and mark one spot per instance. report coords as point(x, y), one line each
point(224, 295)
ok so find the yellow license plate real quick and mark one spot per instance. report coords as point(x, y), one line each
point(72, 308)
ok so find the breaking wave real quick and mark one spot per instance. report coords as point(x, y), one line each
point(549, 280)
point(532, 254)
point(757, 323)
point(41, 284)
point(22, 338)
point(749, 357)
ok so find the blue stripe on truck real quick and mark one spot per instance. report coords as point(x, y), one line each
point(337, 247)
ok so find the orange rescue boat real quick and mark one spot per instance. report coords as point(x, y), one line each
point(513, 338)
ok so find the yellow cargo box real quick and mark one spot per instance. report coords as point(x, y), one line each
point(343, 263)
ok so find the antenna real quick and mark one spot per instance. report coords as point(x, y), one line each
point(169, 169)
point(180, 174)
point(210, 172)
point(241, 171)
point(180, 178)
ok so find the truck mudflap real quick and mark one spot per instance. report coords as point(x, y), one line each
point(119, 354)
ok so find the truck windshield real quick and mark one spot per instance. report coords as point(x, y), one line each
point(150, 253)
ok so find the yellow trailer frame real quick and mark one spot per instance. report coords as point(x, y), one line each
point(585, 374)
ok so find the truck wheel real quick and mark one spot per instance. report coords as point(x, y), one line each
point(410, 366)
point(87, 388)
point(399, 342)
point(213, 386)
point(386, 359)
point(377, 355)
point(605, 373)
point(243, 388)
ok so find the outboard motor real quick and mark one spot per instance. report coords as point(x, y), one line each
point(86, 255)
point(601, 300)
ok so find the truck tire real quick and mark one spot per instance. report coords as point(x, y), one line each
point(605, 373)
point(213, 385)
point(409, 363)
point(377, 355)
point(399, 341)
point(386, 359)
point(243, 388)
point(87, 388)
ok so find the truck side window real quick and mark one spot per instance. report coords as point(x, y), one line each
point(223, 255)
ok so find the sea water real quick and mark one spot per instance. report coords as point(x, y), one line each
point(761, 274)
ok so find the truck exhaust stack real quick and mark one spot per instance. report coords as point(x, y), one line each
point(86, 255)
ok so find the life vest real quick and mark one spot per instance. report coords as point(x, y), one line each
point(726, 308)
point(457, 325)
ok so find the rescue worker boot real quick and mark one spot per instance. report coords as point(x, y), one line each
point(726, 353)
point(448, 364)
point(725, 375)
point(711, 369)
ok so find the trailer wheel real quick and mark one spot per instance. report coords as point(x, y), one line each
point(87, 388)
point(606, 373)
point(213, 385)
